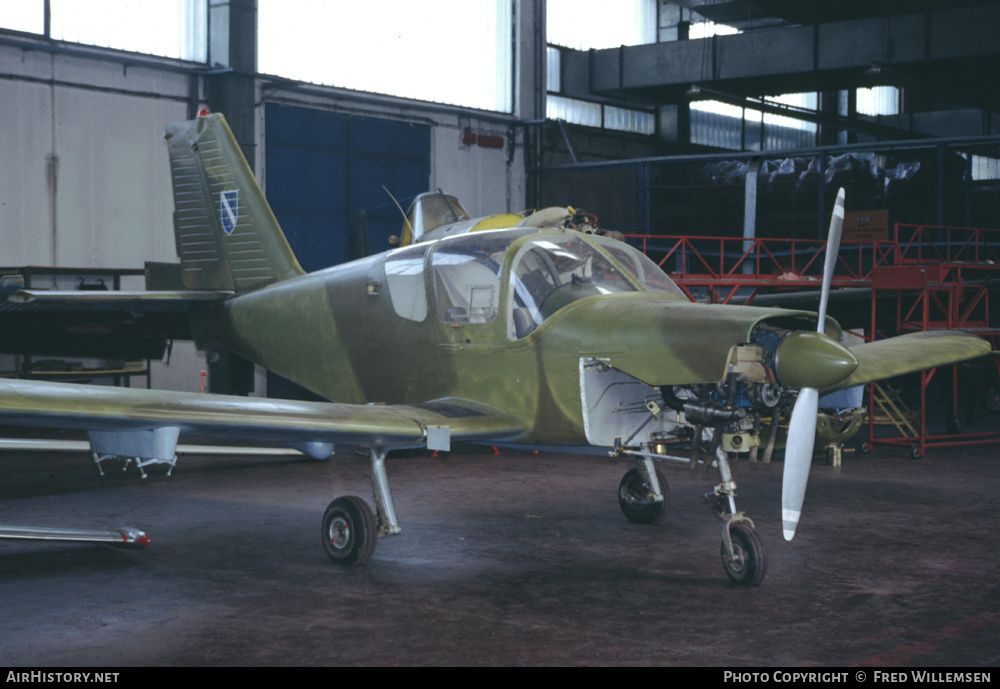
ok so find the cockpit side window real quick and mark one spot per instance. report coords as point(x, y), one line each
point(467, 277)
point(404, 276)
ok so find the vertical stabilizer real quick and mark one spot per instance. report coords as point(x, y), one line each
point(227, 236)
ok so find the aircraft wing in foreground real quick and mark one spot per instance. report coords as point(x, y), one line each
point(529, 337)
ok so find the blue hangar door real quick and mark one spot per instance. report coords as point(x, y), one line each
point(322, 168)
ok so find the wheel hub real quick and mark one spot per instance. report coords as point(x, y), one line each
point(340, 533)
point(738, 560)
point(634, 497)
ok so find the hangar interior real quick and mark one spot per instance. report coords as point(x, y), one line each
point(713, 134)
point(695, 119)
point(649, 120)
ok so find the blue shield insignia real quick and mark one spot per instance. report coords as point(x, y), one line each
point(229, 207)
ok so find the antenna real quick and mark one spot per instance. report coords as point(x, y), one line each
point(406, 221)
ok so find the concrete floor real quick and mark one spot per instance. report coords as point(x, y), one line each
point(509, 560)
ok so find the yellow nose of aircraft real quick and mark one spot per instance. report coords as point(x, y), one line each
point(808, 359)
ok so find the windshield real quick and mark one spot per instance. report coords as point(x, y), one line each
point(551, 272)
point(548, 272)
point(641, 267)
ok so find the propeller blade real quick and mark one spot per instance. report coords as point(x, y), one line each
point(802, 426)
point(798, 458)
point(830, 259)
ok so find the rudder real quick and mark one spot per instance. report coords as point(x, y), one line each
point(227, 237)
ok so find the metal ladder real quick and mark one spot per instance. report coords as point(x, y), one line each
point(889, 406)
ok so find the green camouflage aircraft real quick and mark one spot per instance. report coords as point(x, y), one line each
point(523, 337)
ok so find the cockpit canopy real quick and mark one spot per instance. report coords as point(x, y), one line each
point(431, 210)
point(546, 273)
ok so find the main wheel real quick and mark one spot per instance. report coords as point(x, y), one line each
point(750, 564)
point(635, 501)
point(349, 531)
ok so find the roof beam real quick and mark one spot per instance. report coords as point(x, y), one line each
point(948, 46)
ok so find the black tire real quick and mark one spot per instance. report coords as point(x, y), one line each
point(633, 497)
point(349, 531)
point(751, 563)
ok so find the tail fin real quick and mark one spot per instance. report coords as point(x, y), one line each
point(227, 236)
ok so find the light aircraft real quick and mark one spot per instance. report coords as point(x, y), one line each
point(521, 336)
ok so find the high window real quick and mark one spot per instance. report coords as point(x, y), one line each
point(596, 24)
point(168, 29)
point(878, 100)
point(448, 51)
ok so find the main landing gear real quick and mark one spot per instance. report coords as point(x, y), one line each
point(643, 494)
point(350, 529)
point(644, 497)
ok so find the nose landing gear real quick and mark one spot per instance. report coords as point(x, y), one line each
point(644, 498)
point(743, 554)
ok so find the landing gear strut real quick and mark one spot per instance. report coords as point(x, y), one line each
point(743, 554)
point(350, 529)
point(643, 493)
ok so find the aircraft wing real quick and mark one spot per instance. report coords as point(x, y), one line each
point(850, 306)
point(147, 423)
point(896, 356)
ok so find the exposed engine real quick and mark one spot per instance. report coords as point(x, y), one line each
point(740, 414)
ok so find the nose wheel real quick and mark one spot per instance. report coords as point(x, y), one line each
point(743, 554)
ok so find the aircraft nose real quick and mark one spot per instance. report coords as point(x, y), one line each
point(807, 359)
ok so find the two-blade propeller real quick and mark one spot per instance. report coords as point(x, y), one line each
point(802, 426)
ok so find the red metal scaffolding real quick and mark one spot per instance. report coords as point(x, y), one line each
point(940, 278)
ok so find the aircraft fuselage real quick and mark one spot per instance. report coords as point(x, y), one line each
point(386, 329)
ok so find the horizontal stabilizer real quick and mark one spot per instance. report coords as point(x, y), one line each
point(120, 300)
point(116, 324)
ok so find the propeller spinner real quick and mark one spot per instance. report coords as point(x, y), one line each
point(802, 427)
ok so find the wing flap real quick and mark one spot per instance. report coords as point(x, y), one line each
point(130, 412)
point(896, 356)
